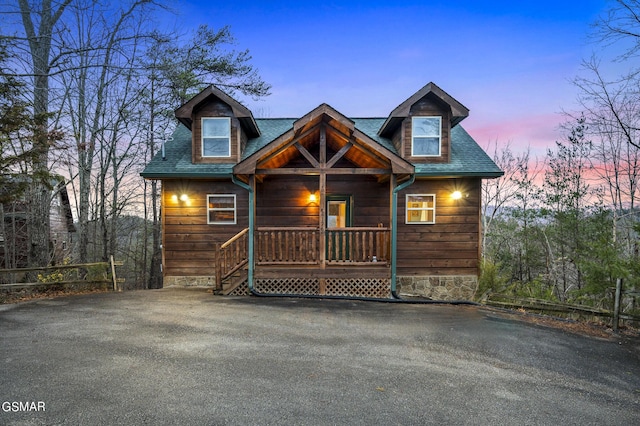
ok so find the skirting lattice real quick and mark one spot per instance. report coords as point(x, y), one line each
point(359, 287)
point(356, 287)
point(241, 290)
point(305, 286)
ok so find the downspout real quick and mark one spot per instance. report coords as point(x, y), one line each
point(394, 232)
point(251, 228)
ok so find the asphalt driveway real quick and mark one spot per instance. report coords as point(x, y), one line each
point(183, 356)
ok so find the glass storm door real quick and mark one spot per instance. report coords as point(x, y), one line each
point(338, 216)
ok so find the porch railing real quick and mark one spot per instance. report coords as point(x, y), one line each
point(301, 245)
point(290, 245)
point(358, 245)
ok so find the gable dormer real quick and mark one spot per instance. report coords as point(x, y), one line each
point(420, 127)
point(220, 126)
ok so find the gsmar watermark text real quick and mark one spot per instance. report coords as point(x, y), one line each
point(22, 406)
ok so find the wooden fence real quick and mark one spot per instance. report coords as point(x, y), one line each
point(543, 306)
point(97, 273)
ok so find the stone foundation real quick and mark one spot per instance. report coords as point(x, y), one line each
point(455, 287)
point(199, 281)
point(450, 287)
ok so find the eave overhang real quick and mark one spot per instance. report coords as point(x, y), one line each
point(190, 175)
point(440, 175)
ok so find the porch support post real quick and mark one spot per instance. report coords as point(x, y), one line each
point(322, 188)
point(394, 229)
point(323, 219)
point(252, 212)
point(252, 228)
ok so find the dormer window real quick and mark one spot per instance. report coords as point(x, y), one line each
point(426, 137)
point(216, 137)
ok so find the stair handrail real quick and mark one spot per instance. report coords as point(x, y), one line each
point(230, 256)
point(234, 238)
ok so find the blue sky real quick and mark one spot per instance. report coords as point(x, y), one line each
point(510, 62)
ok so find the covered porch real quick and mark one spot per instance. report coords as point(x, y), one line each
point(322, 213)
point(289, 260)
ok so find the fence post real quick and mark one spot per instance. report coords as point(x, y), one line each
point(616, 304)
point(113, 273)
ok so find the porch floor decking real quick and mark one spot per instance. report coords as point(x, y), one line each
point(334, 271)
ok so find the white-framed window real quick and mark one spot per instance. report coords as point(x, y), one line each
point(421, 209)
point(426, 137)
point(221, 209)
point(216, 137)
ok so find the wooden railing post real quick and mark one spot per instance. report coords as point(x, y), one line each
point(218, 267)
point(616, 304)
point(113, 273)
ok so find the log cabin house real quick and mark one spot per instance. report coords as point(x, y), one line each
point(14, 237)
point(323, 204)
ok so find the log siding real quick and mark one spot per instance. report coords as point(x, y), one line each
point(450, 245)
point(189, 243)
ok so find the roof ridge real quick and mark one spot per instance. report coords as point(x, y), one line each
point(295, 118)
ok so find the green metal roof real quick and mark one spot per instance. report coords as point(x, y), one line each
point(467, 158)
point(177, 161)
point(270, 129)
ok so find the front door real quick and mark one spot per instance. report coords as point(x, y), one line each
point(339, 215)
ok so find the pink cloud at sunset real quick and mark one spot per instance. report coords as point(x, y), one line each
point(537, 132)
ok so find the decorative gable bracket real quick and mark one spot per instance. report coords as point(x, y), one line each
point(324, 138)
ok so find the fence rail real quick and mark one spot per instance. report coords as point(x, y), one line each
point(109, 269)
point(504, 301)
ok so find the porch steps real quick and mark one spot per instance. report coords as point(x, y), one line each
point(236, 284)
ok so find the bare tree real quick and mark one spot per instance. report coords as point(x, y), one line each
point(526, 212)
point(620, 23)
point(100, 90)
point(112, 85)
point(499, 192)
point(39, 25)
point(611, 107)
point(177, 70)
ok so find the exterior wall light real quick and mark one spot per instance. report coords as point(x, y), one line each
point(182, 198)
point(456, 195)
point(312, 198)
